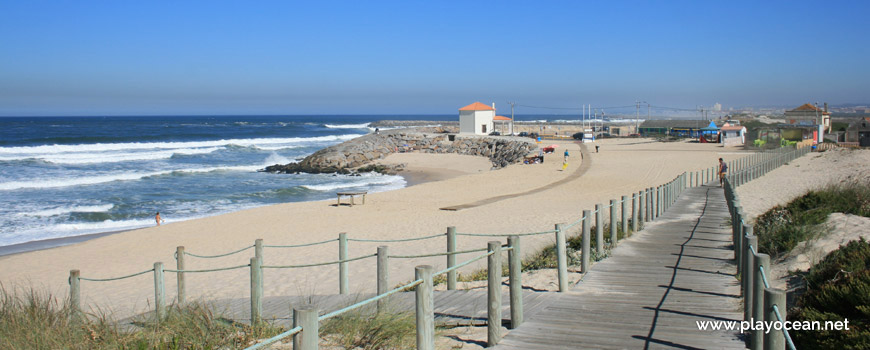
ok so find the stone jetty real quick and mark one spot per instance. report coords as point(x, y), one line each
point(342, 158)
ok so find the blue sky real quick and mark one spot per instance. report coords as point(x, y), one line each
point(424, 57)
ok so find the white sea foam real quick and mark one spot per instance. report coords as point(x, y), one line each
point(114, 157)
point(67, 210)
point(347, 126)
point(365, 180)
point(61, 152)
point(93, 180)
point(275, 158)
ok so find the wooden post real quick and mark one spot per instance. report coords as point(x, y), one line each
point(343, 280)
point(624, 221)
point(258, 249)
point(451, 258)
point(773, 296)
point(493, 287)
point(599, 230)
point(425, 308)
point(641, 211)
point(613, 232)
point(309, 337)
point(75, 294)
point(516, 281)
point(383, 274)
point(759, 261)
point(634, 212)
point(584, 264)
point(256, 291)
point(562, 258)
point(179, 276)
point(159, 292)
point(748, 277)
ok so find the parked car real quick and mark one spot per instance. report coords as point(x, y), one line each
point(495, 133)
point(523, 134)
point(577, 136)
point(533, 135)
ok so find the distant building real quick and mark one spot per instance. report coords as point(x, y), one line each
point(681, 128)
point(476, 118)
point(859, 131)
point(732, 135)
point(507, 125)
point(807, 115)
point(717, 107)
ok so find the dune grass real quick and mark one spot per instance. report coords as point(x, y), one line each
point(780, 229)
point(34, 320)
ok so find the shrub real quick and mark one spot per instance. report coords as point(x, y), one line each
point(369, 331)
point(838, 288)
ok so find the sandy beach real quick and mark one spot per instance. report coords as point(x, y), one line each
point(527, 204)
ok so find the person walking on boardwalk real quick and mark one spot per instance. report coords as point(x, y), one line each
point(723, 170)
point(566, 156)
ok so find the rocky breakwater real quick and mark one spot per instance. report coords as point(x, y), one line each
point(355, 153)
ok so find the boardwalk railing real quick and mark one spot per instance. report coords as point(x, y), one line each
point(646, 205)
point(760, 301)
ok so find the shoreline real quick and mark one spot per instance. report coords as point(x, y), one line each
point(413, 175)
point(622, 167)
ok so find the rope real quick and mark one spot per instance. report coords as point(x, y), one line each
point(573, 223)
point(784, 331)
point(505, 234)
point(300, 245)
point(209, 270)
point(437, 254)
point(218, 256)
point(317, 264)
point(764, 277)
point(370, 300)
point(396, 240)
point(276, 338)
point(116, 278)
point(462, 264)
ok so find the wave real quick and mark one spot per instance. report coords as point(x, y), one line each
point(66, 210)
point(24, 152)
point(393, 181)
point(347, 126)
point(94, 180)
point(115, 157)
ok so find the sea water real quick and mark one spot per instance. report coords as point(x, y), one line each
point(71, 176)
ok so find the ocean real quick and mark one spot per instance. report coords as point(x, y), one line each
point(72, 176)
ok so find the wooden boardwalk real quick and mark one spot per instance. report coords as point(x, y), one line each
point(652, 290)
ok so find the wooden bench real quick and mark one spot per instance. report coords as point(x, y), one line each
point(351, 195)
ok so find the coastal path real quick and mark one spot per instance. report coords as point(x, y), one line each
point(654, 288)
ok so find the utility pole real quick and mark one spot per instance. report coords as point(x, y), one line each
point(647, 111)
point(637, 116)
point(512, 117)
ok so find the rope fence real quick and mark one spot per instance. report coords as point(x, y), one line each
point(640, 207)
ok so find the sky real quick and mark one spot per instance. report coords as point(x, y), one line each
point(424, 57)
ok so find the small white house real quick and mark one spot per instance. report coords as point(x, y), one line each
point(476, 118)
point(732, 135)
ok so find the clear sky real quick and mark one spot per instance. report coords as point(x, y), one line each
point(424, 57)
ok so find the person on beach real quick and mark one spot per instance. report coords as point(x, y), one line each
point(158, 218)
point(566, 156)
point(723, 170)
point(596, 148)
point(377, 131)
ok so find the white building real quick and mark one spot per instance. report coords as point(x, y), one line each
point(732, 135)
point(476, 118)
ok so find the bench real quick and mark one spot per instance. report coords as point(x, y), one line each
point(351, 195)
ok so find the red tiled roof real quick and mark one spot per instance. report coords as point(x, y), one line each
point(806, 107)
point(731, 128)
point(501, 118)
point(477, 106)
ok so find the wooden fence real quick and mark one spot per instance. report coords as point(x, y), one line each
point(646, 205)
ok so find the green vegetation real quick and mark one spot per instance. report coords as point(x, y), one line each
point(838, 288)
point(32, 320)
point(780, 229)
point(363, 330)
